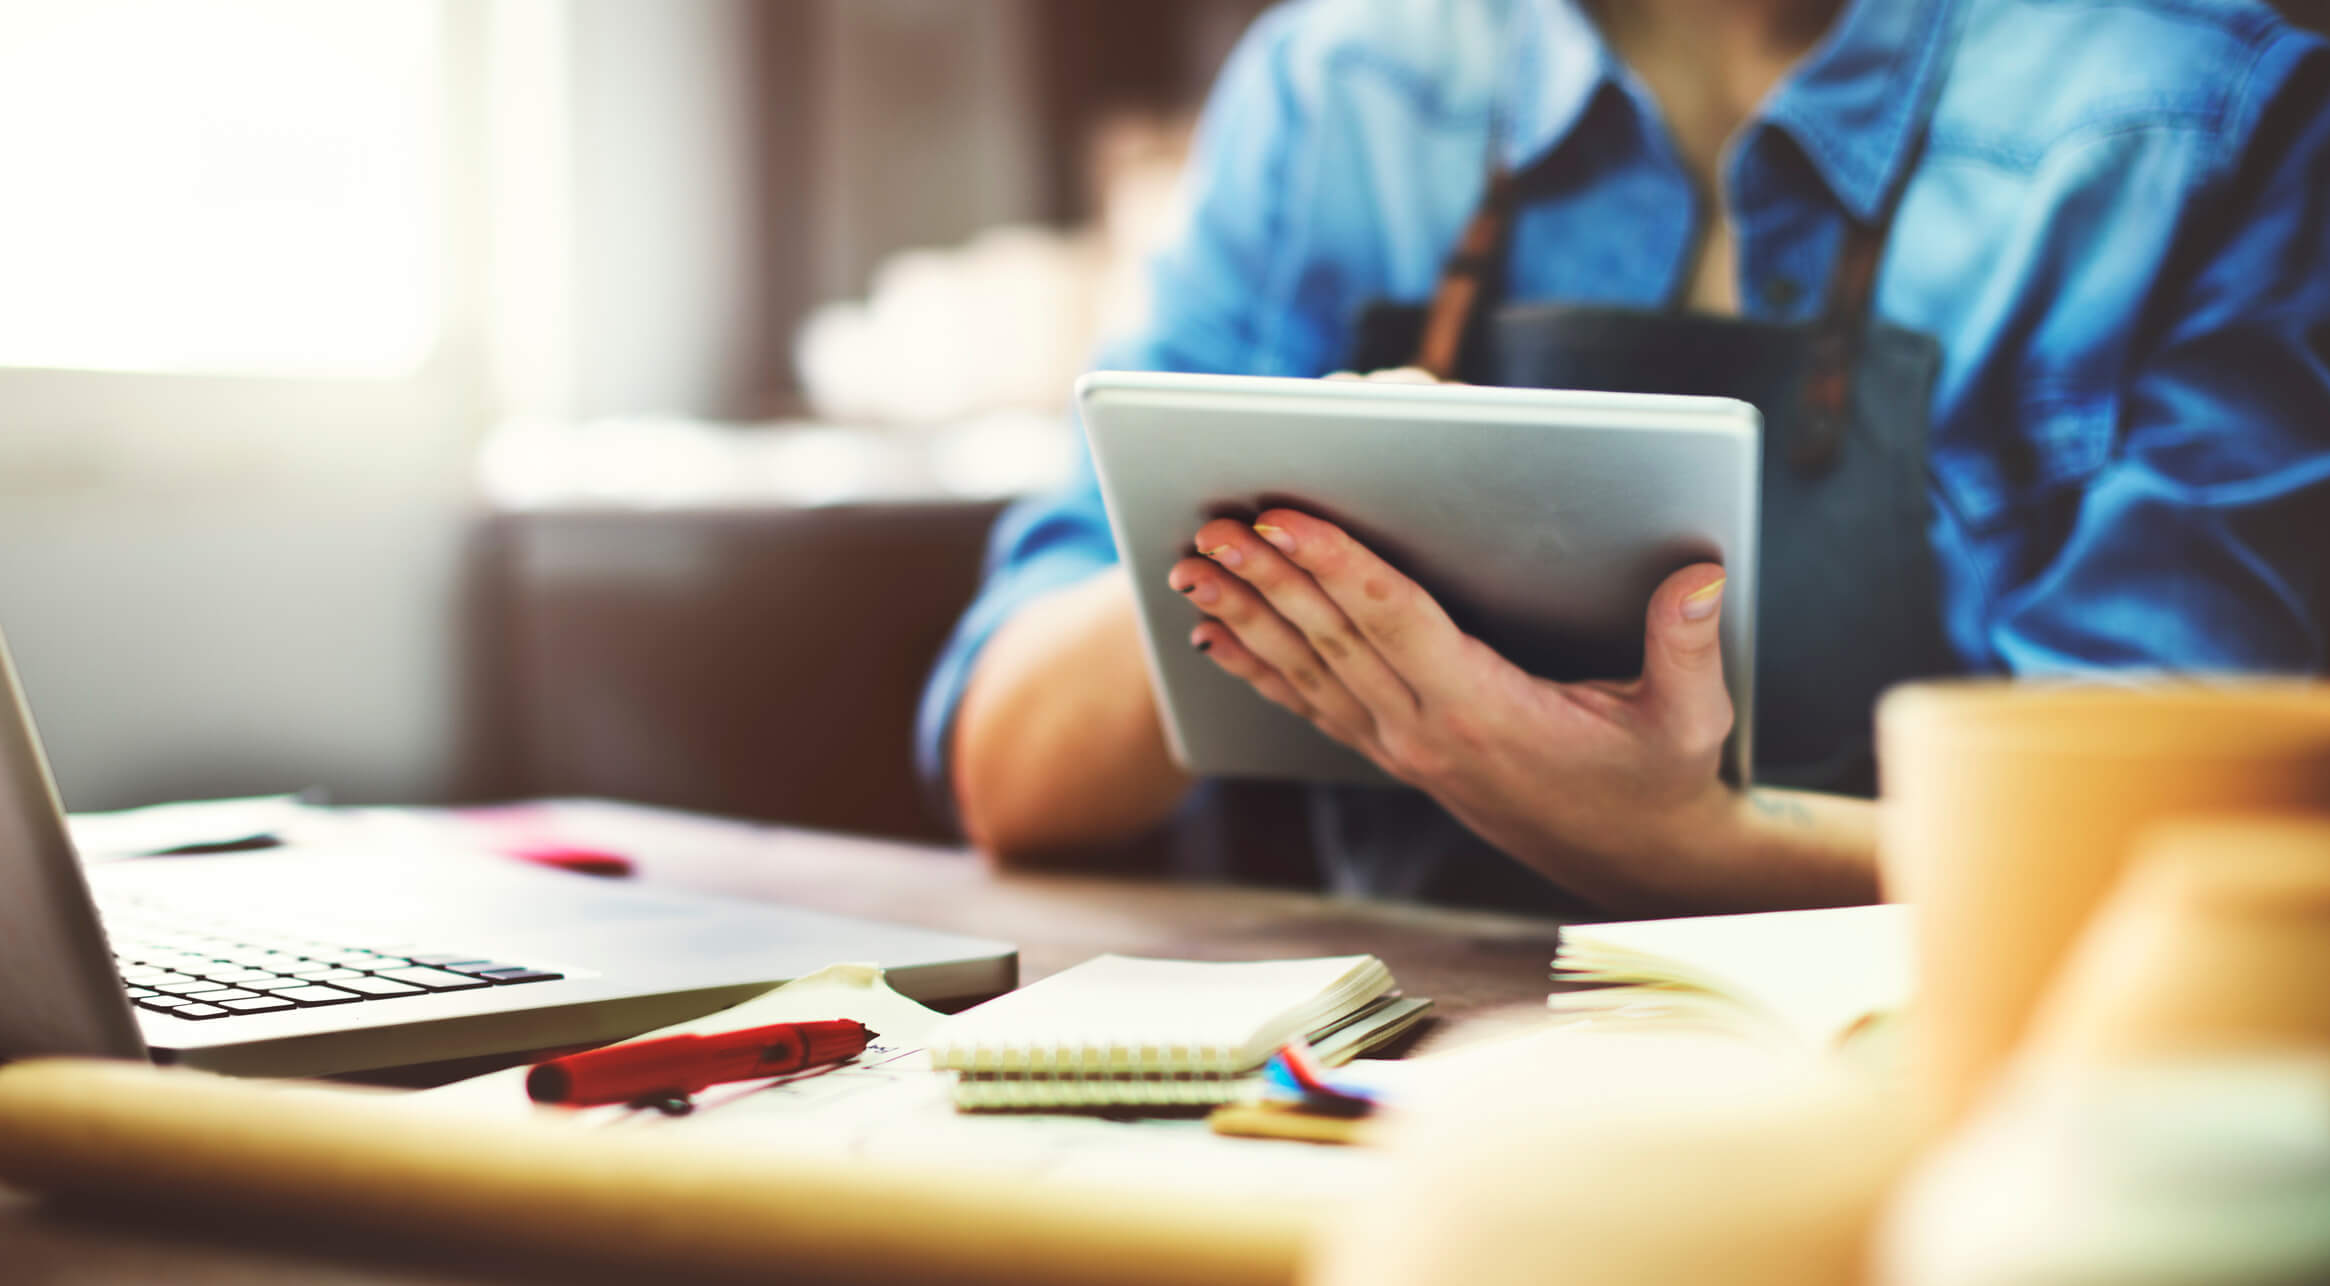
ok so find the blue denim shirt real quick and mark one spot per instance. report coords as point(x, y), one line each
point(2113, 214)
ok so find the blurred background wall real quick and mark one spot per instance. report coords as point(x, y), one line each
point(280, 267)
point(294, 294)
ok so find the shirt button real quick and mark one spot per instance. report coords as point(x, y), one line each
point(1782, 293)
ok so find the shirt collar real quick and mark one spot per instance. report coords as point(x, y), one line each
point(1857, 105)
point(1555, 64)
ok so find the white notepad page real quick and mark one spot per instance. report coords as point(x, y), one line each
point(1114, 1015)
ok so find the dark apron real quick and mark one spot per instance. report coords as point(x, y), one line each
point(1849, 602)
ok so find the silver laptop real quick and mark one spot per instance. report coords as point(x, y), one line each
point(293, 963)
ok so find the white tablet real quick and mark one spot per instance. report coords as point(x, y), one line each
point(1542, 520)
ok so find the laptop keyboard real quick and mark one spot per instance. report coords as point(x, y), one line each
point(200, 974)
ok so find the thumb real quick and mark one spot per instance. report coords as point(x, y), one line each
point(1682, 654)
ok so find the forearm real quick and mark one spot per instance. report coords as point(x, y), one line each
point(1057, 744)
point(1769, 849)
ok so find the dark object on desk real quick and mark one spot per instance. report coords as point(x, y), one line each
point(653, 1072)
point(246, 844)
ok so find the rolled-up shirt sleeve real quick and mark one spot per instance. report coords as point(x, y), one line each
point(1219, 305)
point(2203, 542)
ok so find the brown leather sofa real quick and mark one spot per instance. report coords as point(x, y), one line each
point(757, 662)
point(763, 663)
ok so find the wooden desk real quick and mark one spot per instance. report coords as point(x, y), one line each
point(1487, 972)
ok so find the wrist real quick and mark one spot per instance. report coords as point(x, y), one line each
point(1797, 848)
point(1673, 859)
point(1707, 835)
point(1727, 849)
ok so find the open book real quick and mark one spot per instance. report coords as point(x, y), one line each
point(1808, 978)
point(1120, 1030)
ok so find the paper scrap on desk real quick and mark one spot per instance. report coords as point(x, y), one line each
point(855, 991)
point(888, 1105)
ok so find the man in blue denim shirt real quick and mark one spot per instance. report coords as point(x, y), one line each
point(2114, 218)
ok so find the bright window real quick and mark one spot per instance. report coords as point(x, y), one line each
point(249, 187)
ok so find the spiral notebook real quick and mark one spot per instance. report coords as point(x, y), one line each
point(1128, 1031)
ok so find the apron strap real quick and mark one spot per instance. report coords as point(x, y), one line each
point(1836, 349)
point(1477, 268)
point(1478, 261)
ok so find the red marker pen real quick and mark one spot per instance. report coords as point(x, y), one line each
point(676, 1066)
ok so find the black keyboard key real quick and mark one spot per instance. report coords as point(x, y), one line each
point(433, 979)
point(310, 996)
point(522, 975)
point(380, 986)
point(255, 1005)
point(198, 1011)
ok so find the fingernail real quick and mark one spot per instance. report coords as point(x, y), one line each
point(1226, 555)
point(1275, 535)
point(1204, 592)
point(1701, 603)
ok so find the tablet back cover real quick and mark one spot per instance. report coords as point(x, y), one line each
point(1541, 520)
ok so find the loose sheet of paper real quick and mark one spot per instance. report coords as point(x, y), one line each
point(888, 1104)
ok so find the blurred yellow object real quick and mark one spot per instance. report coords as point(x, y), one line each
point(2168, 1119)
point(2186, 1139)
point(2009, 809)
point(2216, 942)
point(1630, 1160)
point(2199, 1171)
